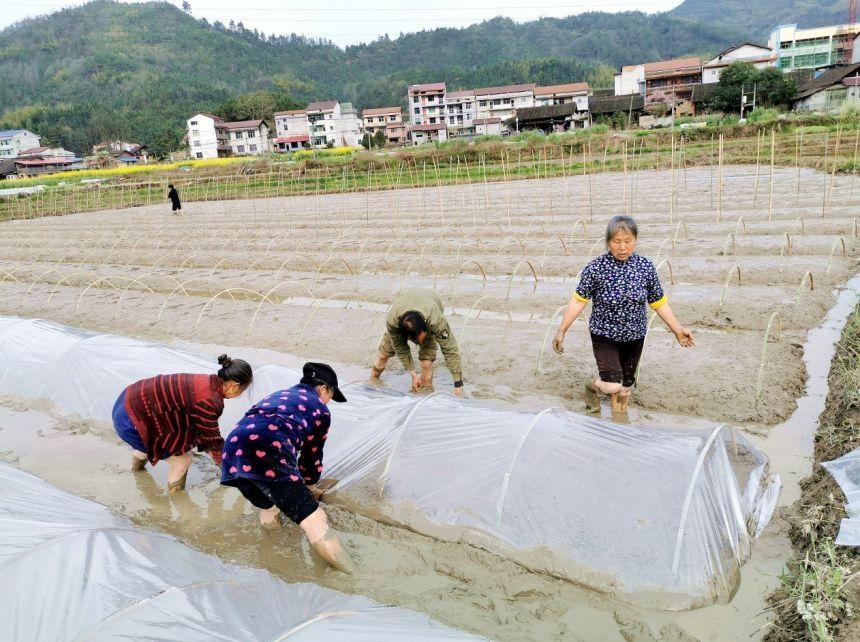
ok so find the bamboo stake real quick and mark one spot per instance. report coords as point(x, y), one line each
point(854, 167)
point(758, 137)
point(835, 162)
point(672, 184)
point(624, 162)
point(720, 182)
point(799, 159)
point(824, 185)
point(772, 156)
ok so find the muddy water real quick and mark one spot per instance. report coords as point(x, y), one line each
point(457, 584)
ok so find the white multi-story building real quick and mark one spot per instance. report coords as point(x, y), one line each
point(332, 124)
point(426, 103)
point(292, 130)
point(247, 137)
point(757, 55)
point(576, 92)
point(502, 102)
point(349, 127)
point(206, 136)
point(378, 118)
point(15, 141)
point(675, 77)
point(459, 112)
point(812, 48)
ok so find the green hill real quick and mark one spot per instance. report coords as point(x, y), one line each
point(757, 18)
point(110, 70)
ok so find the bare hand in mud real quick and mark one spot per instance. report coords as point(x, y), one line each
point(316, 491)
point(416, 381)
point(685, 337)
point(458, 392)
point(558, 343)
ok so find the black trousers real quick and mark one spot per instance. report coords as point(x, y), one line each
point(617, 361)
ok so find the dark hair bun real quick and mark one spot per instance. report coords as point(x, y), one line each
point(225, 361)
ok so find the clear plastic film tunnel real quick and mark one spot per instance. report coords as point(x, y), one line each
point(656, 516)
point(110, 580)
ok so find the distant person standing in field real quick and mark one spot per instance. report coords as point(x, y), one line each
point(619, 284)
point(164, 417)
point(173, 195)
point(417, 315)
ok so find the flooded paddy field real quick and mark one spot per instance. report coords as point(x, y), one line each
point(751, 267)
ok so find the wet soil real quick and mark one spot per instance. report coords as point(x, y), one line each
point(336, 261)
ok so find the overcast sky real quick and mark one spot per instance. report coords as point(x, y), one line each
point(344, 23)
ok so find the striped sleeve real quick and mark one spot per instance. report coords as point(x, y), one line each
point(204, 417)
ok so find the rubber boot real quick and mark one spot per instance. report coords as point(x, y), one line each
point(592, 398)
point(330, 548)
point(178, 485)
point(137, 464)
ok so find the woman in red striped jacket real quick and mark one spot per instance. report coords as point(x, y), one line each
point(166, 416)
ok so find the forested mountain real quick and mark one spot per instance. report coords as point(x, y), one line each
point(136, 71)
point(757, 18)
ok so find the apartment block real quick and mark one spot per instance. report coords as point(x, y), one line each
point(813, 48)
point(460, 111)
point(426, 103)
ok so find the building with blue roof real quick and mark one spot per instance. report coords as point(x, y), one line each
point(15, 141)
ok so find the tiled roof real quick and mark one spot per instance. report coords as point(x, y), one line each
point(34, 150)
point(463, 93)
point(9, 133)
point(429, 128)
point(433, 86)
point(35, 162)
point(828, 78)
point(546, 112)
point(667, 65)
point(298, 138)
point(506, 89)
point(486, 121)
point(609, 105)
point(561, 89)
point(323, 105)
point(291, 112)
point(379, 111)
point(242, 124)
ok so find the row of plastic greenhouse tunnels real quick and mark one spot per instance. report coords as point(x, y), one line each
point(654, 516)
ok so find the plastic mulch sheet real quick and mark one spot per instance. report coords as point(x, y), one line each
point(846, 472)
point(72, 570)
point(654, 515)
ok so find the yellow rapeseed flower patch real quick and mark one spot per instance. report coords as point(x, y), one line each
point(320, 153)
point(131, 170)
